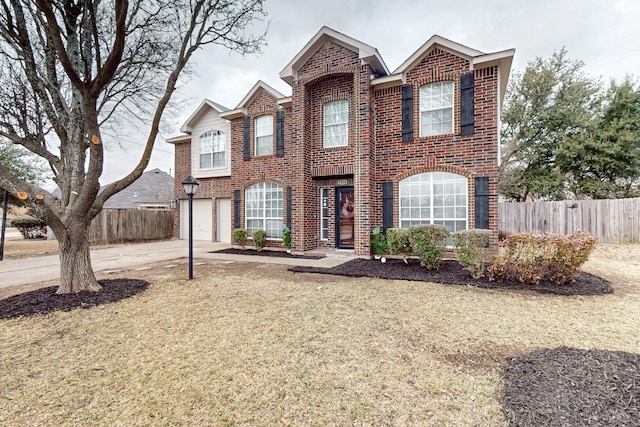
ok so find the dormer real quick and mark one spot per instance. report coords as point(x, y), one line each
point(210, 137)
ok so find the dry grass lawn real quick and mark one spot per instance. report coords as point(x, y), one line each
point(256, 345)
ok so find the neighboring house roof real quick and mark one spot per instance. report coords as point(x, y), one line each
point(241, 108)
point(154, 187)
point(202, 109)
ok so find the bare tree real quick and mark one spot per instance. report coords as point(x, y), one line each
point(70, 69)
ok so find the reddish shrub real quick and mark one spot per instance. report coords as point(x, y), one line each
point(531, 258)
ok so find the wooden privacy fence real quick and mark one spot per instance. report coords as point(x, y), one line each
point(130, 225)
point(611, 221)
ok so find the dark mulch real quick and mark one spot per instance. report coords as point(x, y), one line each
point(45, 300)
point(572, 387)
point(264, 252)
point(452, 273)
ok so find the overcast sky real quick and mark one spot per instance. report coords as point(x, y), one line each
point(604, 34)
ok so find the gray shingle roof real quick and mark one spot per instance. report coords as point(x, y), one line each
point(154, 187)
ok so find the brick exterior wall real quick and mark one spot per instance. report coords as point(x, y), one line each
point(375, 153)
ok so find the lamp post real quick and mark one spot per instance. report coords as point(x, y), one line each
point(190, 186)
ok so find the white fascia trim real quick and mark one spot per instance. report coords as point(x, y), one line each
point(366, 53)
point(234, 114)
point(178, 139)
point(448, 45)
point(199, 112)
point(389, 81)
point(285, 102)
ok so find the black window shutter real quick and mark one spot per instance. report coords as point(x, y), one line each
point(387, 205)
point(236, 208)
point(407, 113)
point(280, 133)
point(482, 201)
point(289, 207)
point(246, 138)
point(466, 104)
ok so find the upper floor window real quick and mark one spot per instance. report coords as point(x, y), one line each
point(213, 149)
point(263, 209)
point(434, 198)
point(264, 136)
point(436, 109)
point(336, 124)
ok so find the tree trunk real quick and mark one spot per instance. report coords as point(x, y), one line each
point(76, 273)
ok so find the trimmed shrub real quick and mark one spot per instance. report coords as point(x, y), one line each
point(259, 239)
point(286, 237)
point(429, 242)
point(378, 241)
point(469, 246)
point(240, 237)
point(531, 258)
point(398, 242)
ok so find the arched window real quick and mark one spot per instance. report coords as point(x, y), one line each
point(263, 209)
point(213, 150)
point(336, 124)
point(436, 109)
point(434, 198)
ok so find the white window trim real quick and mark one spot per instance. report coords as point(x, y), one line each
point(325, 125)
point(453, 102)
point(264, 216)
point(322, 198)
point(256, 135)
point(432, 219)
point(223, 135)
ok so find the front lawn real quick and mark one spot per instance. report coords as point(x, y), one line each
point(257, 345)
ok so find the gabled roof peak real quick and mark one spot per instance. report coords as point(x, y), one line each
point(198, 113)
point(366, 53)
point(442, 42)
point(252, 93)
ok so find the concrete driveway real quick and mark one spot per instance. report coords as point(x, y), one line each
point(23, 271)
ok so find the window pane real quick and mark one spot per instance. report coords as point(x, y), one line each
point(263, 209)
point(336, 124)
point(263, 136)
point(205, 161)
point(436, 109)
point(433, 197)
point(213, 148)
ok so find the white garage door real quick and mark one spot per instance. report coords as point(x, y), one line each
point(224, 220)
point(202, 219)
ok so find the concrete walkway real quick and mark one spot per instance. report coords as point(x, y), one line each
point(23, 271)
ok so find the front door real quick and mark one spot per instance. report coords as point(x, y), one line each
point(344, 218)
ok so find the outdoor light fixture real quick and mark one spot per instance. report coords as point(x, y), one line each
point(190, 186)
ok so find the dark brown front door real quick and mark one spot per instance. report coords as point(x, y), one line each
point(344, 215)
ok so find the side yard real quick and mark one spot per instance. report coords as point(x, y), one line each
point(251, 344)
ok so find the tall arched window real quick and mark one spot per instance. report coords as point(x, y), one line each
point(263, 209)
point(434, 198)
point(213, 149)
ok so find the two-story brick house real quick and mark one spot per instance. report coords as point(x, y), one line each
point(354, 147)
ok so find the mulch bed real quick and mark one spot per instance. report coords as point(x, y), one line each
point(452, 273)
point(264, 252)
point(572, 387)
point(45, 300)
